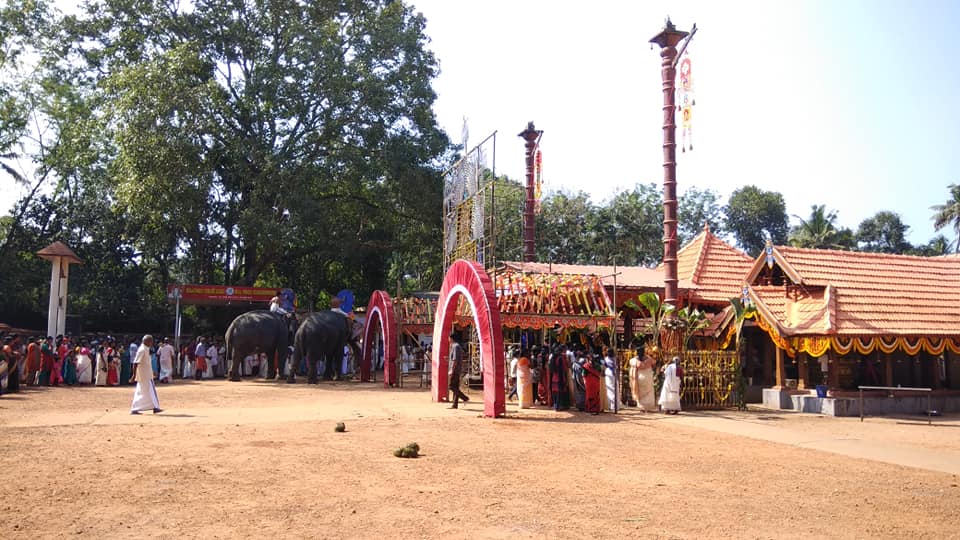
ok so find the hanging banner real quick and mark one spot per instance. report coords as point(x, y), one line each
point(223, 294)
point(538, 181)
point(685, 102)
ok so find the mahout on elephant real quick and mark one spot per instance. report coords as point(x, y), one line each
point(259, 331)
point(323, 335)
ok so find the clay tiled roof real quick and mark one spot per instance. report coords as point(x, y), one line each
point(714, 267)
point(806, 312)
point(636, 277)
point(864, 294)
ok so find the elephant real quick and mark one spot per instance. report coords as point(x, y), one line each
point(323, 334)
point(258, 331)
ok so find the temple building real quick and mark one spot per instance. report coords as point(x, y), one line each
point(843, 319)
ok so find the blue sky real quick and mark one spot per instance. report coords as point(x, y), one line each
point(852, 104)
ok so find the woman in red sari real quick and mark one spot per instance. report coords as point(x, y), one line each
point(591, 380)
point(113, 370)
point(56, 374)
point(545, 388)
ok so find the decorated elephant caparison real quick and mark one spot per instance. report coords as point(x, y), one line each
point(323, 335)
point(259, 331)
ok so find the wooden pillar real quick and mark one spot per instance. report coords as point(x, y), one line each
point(779, 367)
point(935, 372)
point(888, 364)
point(801, 371)
point(833, 370)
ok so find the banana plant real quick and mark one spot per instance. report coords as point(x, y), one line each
point(741, 312)
point(659, 313)
point(691, 321)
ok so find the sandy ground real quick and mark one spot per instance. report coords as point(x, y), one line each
point(261, 459)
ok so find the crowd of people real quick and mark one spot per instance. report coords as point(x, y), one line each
point(553, 376)
point(108, 361)
point(558, 375)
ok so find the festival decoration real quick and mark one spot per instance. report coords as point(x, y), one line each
point(817, 346)
point(685, 102)
point(538, 181)
point(535, 301)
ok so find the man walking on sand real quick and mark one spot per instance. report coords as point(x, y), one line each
point(456, 366)
point(145, 396)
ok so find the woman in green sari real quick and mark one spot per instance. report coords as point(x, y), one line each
point(126, 368)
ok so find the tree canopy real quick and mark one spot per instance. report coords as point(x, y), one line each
point(231, 142)
point(948, 213)
point(753, 215)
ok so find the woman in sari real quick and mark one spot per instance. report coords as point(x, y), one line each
point(579, 385)
point(126, 368)
point(101, 366)
point(591, 384)
point(610, 380)
point(559, 386)
point(113, 370)
point(84, 367)
point(56, 373)
point(642, 378)
point(70, 367)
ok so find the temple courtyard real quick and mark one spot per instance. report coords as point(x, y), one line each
point(261, 459)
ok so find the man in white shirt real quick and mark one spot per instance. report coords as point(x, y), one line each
point(145, 395)
point(201, 352)
point(513, 373)
point(212, 359)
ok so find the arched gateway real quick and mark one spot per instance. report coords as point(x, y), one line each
point(380, 311)
point(468, 278)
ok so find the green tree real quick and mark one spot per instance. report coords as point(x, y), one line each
point(262, 117)
point(938, 245)
point(507, 212)
point(563, 228)
point(629, 228)
point(883, 232)
point(270, 143)
point(948, 213)
point(753, 214)
point(697, 208)
point(817, 231)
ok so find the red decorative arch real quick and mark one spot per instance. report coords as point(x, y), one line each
point(380, 310)
point(468, 278)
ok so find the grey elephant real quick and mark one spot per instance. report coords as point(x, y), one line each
point(259, 331)
point(323, 335)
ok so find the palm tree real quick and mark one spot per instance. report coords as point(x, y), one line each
point(949, 213)
point(817, 231)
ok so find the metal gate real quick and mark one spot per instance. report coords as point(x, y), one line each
point(709, 379)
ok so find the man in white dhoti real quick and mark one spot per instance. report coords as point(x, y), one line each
point(145, 396)
point(670, 392)
point(166, 354)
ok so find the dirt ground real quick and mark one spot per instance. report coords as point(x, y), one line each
point(261, 459)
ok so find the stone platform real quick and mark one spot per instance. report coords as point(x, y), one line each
point(874, 403)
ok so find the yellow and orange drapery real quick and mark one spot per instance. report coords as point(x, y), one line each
point(819, 345)
point(816, 346)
